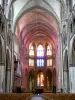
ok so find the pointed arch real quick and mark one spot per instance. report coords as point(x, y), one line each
point(40, 51)
point(49, 50)
point(40, 78)
point(31, 79)
point(48, 79)
point(31, 49)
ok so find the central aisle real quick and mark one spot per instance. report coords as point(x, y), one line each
point(36, 97)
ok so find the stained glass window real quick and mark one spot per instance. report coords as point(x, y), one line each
point(49, 62)
point(40, 79)
point(40, 55)
point(31, 50)
point(40, 51)
point(49, 50)
point(40, 62)
point(31, 62)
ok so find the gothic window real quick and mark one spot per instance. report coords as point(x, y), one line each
point(40, 51)
point(40, 56)
point(40, 79)
point(31, 50)
point(49, 50)
point(31, 55)
point(40, 62)
point(49, 54)
point(49, 62)
point(31, 62)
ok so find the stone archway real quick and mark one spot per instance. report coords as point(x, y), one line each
point(49, 80)
point(65, 72)
point(8, 73)
point(31, 79)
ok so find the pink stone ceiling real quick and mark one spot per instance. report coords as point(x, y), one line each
point(36, 24)
point(35, 16)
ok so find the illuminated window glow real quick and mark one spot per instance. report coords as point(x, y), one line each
point(40, 62)
point(40, 51)
point(49, 62)
point(40, 55)
point(40, 79)
point(31, 62)
point(49, 50)
point(31, 51)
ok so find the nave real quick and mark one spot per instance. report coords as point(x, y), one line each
point(37, 46)
point(36, 97)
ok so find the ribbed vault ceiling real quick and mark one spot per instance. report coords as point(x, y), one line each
point(37, 19)
point(37, 23)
